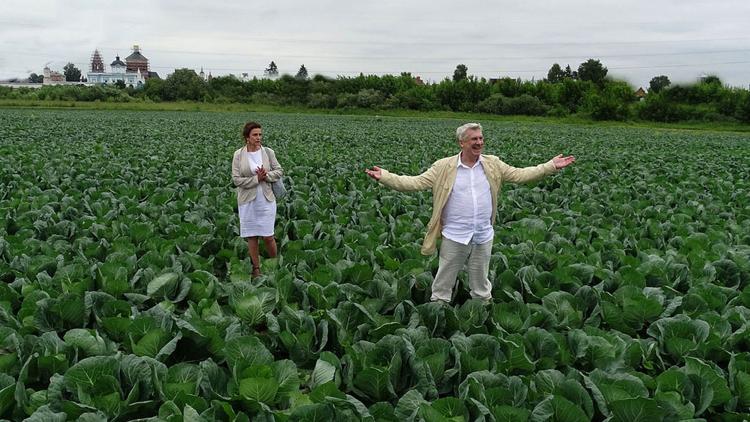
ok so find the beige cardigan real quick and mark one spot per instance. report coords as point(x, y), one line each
point(246, 181)
point(442, 175)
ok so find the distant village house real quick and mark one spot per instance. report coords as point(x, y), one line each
point(52, 78)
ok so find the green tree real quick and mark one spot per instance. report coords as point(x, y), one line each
point(36, 79)
point(569, 73)
point(571, 93)
point(229, 89)
point(556, 74)
point(592, 70)
point(711, 79)
point(185, 84)
point(612, 103)
point(460, 74)
point(72, 73)
point(508, 86)
point(272, 71)
point(293, 90)
point(658, 83)
point(743, 108)
point(302, 72)
point(709, 89)
point(658, 108)
point(155, 89)
point(464, 95)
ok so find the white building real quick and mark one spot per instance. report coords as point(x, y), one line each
point(118, 72)
point(52, 78)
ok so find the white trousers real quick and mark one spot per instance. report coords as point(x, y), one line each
point(453, 256)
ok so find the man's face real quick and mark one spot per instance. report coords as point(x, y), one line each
point(472, 144)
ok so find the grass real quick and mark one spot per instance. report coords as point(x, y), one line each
point(265, 108)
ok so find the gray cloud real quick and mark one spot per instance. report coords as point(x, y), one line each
point(636, 40)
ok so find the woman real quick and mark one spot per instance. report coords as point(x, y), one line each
point(254, 167)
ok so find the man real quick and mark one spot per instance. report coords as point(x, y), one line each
point(464, 198)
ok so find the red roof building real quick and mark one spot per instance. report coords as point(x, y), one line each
point(136, 61)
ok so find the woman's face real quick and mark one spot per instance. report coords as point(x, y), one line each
point(254, 139)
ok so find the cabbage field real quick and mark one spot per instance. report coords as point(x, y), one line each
point(621, 285)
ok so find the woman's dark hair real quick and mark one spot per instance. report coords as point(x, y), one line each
point(249, 126)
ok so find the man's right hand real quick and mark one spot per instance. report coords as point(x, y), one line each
point(374, 172)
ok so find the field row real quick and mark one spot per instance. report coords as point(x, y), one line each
point(620, 285)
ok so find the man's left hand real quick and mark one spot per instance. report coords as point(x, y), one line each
point(562, 162)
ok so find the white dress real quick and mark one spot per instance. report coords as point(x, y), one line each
point(258, 216)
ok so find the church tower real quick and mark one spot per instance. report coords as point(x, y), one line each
point(136, 61)
point(97, 64)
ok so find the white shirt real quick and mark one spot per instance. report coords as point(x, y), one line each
point(255, 159)
point(467, 214)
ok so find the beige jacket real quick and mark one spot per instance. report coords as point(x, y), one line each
point(441, 176)
point(246, 181)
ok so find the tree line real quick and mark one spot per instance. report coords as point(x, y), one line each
point(586, 91)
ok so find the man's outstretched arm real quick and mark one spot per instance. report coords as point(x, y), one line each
point(529, 174)
point(403, 183)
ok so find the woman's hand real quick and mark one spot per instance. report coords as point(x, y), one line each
point(261, 173)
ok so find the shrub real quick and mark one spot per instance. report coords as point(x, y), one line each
point(267, 98)
point(346, 100)
point(658, 108)
point(494, 104)
point(319, 100)
point(525, 104)
point(370, 98)
point(414, 98)
point(558, 111)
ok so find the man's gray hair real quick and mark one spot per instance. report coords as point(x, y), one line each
point(461, 131)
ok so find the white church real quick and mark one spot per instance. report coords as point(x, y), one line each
point(134, 73)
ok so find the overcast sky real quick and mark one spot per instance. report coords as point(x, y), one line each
point(635, 39)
